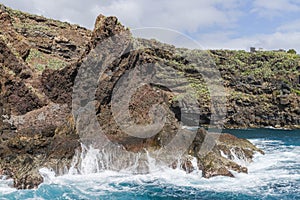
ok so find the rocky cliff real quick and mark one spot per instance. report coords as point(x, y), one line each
point(263, 86)
point(42, 59)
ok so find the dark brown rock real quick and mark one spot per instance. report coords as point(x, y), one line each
point(37, 128)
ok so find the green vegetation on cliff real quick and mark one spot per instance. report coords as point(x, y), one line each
point(39, 61)
point(260, 67)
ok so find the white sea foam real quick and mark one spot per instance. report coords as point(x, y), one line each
point(47, 174)
point(6, 186)
point(265, 170)
point(278, 166)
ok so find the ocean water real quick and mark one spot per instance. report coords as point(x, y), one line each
point(275, 175)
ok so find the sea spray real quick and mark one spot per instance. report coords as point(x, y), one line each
point(112, 157)
point(47, 174)
point(91, 160)
point(239, 157)
point(274, 175)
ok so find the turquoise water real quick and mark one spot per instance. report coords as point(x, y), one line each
point(276, 175)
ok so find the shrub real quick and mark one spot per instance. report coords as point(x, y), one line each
point(292, 51)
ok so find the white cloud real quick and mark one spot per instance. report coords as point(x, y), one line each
point(290, 26)
point(277, 40)
point(176, 14)
point(273, 8)
point(79, 12)
point(217, 18)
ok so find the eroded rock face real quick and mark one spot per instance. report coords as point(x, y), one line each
point(30, 137)
point(25, 152)
point(224, 155)
point(37, 126)
point(263, 86)
point(122, 75)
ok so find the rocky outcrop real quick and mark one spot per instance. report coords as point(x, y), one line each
point(42, 60)
point(32, 124)
point(24, 152)
point(24, 32)
point(225, 155)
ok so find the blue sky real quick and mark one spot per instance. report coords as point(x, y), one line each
point(214, 24)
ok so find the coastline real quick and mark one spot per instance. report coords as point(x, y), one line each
point(42, 58)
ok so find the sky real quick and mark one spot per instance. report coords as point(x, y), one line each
point(213, 24)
